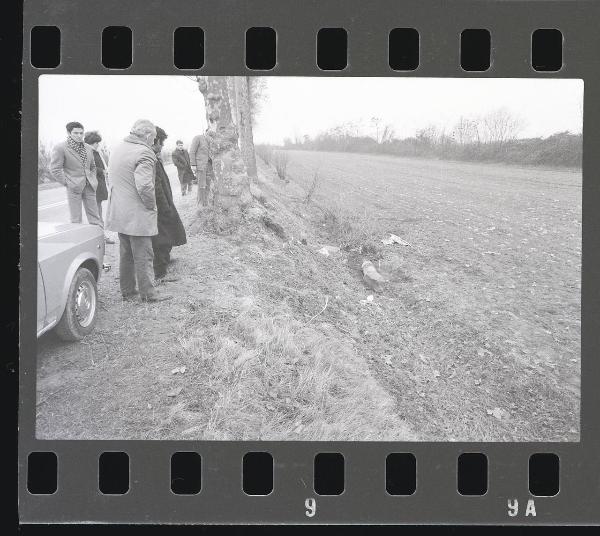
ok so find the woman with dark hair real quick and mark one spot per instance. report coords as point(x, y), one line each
point(93, 139)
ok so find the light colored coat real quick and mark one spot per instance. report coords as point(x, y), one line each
point(67, 167)
point(199, 152)
point(132, 201)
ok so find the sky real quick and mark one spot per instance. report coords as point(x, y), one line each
point(297, 106)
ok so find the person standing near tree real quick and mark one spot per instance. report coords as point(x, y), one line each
point(199, 160)
point(171, 232)
point(181, 159)
point(132, 211)
point(73, 165)
point(93, 139)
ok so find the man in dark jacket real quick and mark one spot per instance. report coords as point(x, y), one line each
point(181, 159)
point(171, 232)
point(93, 139)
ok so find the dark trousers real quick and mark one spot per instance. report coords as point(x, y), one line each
point(135, 264)
point(162, 255)
point(186, 187)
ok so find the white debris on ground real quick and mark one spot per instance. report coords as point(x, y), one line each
point(328, 250)
point(394, 239)
point(174, 392)
point(498, 413)
point(372, 278)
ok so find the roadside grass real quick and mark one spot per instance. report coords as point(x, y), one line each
point(354, 231)
point(447, 355)
point(279, 341)
point(275, 378)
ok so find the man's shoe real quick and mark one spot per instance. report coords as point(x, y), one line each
point(108, 240)
point(130, 295)
point(165, 279)
point(156, 297)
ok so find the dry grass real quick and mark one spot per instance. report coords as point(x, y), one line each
point(448, 339)
point(352, 230)
point(265, 152)
point(280, 161)
point(314, 184)
point(274, 378)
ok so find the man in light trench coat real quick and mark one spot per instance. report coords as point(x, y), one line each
point(132, 211)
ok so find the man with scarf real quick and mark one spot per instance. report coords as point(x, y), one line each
point(171, 232)
point(73, 165)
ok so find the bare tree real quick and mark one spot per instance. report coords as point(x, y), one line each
point(463, 132)
point(376, 122)
point(428, 135)
point(230, 191)
point(44, 157)
point(239, 96)
point(388, 134)
point(500, 126)
point(580, 109)
point(257, 91)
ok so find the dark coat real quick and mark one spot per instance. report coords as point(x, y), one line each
point(170, 229)
point(101, 190)
point(181, 159)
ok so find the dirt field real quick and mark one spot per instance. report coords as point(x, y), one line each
point(475, 336)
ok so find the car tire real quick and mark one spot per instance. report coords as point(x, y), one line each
point(80, 314)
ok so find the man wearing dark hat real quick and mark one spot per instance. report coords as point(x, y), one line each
point(171, 232)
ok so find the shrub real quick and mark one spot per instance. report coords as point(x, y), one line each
point(312, 188)
point(352, 230)
point(559, 149)
point(44, 156)
point(266, 153)
point(281, 160)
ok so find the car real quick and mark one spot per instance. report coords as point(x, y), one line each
point(70, 261)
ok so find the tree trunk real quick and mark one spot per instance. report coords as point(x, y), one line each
point(230, 188)
point(240, 97)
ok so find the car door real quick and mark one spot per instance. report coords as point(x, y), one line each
point(41, 301)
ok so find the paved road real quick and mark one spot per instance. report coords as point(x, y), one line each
point(52, 203)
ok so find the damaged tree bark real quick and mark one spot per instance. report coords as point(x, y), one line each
point(244, 123)
point(230, 190)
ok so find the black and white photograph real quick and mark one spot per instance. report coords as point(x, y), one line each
point(309, 258)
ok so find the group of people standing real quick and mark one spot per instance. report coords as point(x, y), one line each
point(197, 158)
point(140, 200)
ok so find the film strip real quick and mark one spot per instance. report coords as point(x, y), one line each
point(217, 481)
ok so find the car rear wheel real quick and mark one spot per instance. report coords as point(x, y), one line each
point(79, 317)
